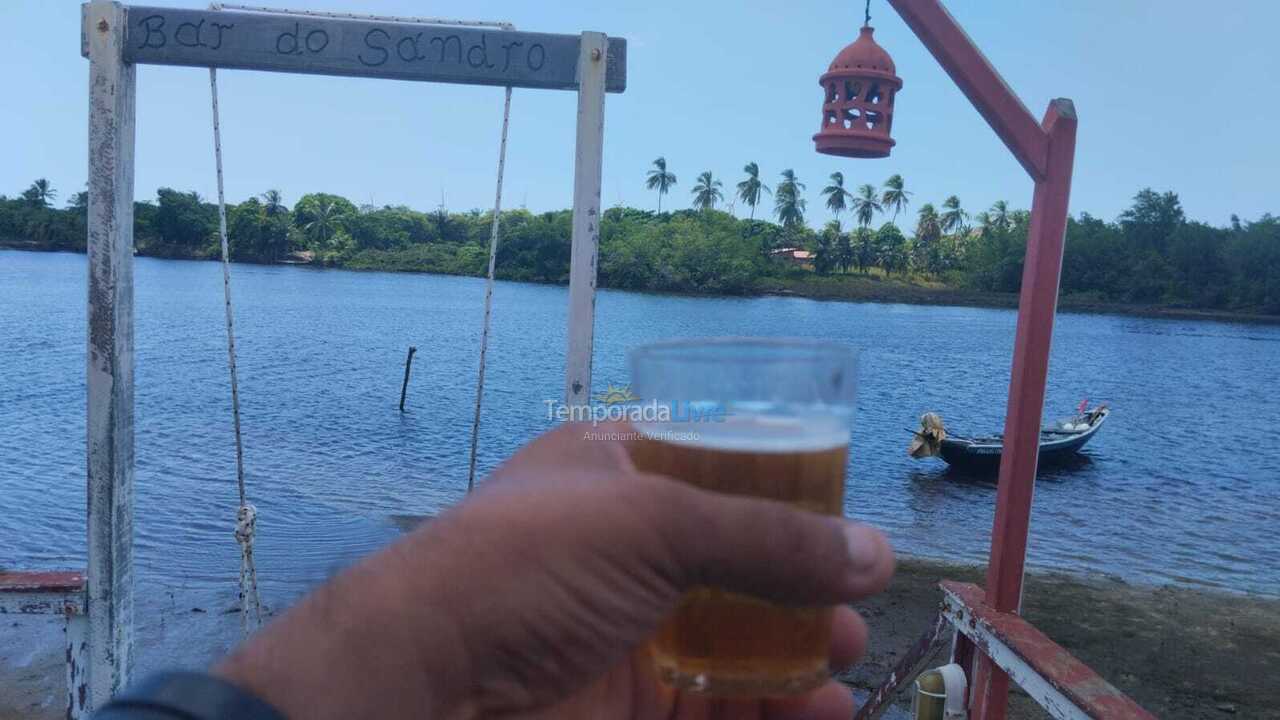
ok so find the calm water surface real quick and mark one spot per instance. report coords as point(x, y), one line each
point(1182, 486)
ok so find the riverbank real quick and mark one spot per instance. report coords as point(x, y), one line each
point(878, 289)
point(1180, 653)
point(852, 287)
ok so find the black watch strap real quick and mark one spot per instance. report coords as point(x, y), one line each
point(186, 696)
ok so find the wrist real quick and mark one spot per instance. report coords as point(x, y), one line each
point(367, 644)
point(191, 695)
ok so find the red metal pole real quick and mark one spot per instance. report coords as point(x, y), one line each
point(1037, 305)
point(1047, 151)
point(978, 80)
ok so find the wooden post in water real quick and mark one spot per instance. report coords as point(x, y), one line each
point(109, 361)
point(408, 363)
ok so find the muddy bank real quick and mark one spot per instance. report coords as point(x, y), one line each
point(1178, 652)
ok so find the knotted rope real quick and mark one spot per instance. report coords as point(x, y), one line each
point(246, 516)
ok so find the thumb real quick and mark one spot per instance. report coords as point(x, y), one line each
point(772, 550)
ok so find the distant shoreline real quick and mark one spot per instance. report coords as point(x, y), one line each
point(843, 288)
point(853, 288)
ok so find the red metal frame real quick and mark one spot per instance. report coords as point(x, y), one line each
point(1047, 151)
point(62, 593)
point(1061, 680)
point(63, 581)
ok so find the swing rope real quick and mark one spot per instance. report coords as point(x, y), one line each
point(488, 290)
point(246, 515)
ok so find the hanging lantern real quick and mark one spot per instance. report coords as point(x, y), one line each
point(857, 112)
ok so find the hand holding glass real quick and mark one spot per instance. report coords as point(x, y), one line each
point(764, 418)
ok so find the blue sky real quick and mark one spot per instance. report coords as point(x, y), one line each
point(1171, 94)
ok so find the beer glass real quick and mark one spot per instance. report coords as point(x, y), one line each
point(758, 417)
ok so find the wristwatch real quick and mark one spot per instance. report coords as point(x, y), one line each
point(186, 696)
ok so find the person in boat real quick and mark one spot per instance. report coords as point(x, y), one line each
point(532, 599)
point(1058, 442)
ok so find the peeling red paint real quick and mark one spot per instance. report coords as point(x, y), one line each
point(1076, 681)
point(69, 581)
point(55, 593)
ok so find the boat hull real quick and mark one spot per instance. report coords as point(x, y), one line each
point(1055, 448)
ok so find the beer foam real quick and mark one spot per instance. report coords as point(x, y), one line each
point(756, 432)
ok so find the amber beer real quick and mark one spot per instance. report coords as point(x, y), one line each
point(725, 643)
point(745, 416)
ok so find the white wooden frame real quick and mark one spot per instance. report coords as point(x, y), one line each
point(1054, 701)
point(110, 355)
point(587, 169)
point(110, 404)
point(69, 602)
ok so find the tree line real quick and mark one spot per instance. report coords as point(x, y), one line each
point(1151, 254)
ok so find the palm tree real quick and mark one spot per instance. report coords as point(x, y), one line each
point(706, 191)
point(273, 202)
point(999, 215)
point(891, 248)
point(824, 253)
point(836, 194)
point(954, 217)
point(984, 221)
point(787, 203)
point(659, 179)
point(928, 232)
point(865, 249)
point(41, 193)
point(845, 255)
point(321, 226)
point(865, 205)
point(895, 196)
point(749, 190)
point(928, 222)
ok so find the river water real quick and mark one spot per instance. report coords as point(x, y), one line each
point(1181, 486)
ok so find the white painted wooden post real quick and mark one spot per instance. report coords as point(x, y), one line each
point(110, 356)
point(77, 666)
point(588, 159)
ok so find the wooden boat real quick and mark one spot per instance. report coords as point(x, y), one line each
point(1058, 442)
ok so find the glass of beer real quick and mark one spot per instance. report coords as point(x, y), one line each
point(758, 417)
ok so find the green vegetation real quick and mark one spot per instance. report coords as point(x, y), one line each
point(1151, 256)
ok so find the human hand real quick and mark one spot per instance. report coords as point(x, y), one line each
point(533, 598)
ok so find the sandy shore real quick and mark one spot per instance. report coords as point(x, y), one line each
point(1178, 652)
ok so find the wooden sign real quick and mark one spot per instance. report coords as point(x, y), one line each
point(328, 46)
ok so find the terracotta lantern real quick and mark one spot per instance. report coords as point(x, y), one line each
point(857, 112)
